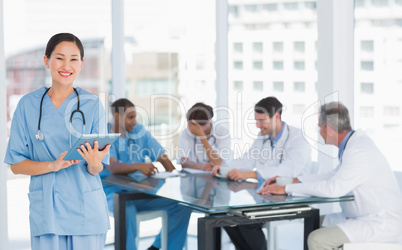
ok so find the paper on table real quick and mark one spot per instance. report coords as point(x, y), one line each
point(195, 171)
point(164, 175)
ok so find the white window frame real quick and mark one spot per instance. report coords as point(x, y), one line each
point(3, 139)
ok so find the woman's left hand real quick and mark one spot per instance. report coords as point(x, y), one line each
point(93, 156)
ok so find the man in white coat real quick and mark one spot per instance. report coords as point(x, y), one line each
point(375, 214)
point(279, 149)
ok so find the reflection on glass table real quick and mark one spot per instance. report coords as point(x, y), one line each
point(209, 194)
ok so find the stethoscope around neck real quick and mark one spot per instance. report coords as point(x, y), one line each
point(40, 136)
point(272, 144)
point(209, 137)
point(130, 143)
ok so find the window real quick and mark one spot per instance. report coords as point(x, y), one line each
point(299, 87)
point(387, 125)
point(257, 65)
point(234, 10)
point(238, 65)
point(257, 47)
point(278, 86)
point(277, 65)
point(270, 7)
point(378, 82)
point(238, 85)
point(311, 5)
point(258, 86)
point(383, 22)
point(367, 88)
point(146, 87)
point(298, 47)
point(359, 3)
point(278, 49)
point(391, 111)
point(298, 108)
point(367, 65)
point(238, 47)
point(277, 46)
point(291, 6)
point(367, 46)
point(251, 8)
point(200, 64)
point(298, 65)
point(366, 111)
point(379, 3)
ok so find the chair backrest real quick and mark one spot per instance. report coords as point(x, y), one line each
point(398, 176)
point(371, 246)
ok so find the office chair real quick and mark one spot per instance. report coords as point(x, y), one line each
point(371, 246)
point(150, 215)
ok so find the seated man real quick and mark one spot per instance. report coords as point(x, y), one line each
point(203, 144)
point(375, 214)
point(127, 155)
point(280, 149)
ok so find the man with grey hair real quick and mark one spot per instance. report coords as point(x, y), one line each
point(375, 214)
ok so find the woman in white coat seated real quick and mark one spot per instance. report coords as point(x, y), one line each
point(375, 215)
point(204, 143)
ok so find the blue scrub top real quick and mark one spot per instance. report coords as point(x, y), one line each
point(70, 201)
point(134, 147)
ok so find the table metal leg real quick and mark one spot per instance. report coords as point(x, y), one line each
point(311, 223)
point(217, 237)
point(205, 234)
point(119, 211)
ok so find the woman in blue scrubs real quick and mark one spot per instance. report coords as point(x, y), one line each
point(68, 208)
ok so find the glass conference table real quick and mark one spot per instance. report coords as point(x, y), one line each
point(225, 202)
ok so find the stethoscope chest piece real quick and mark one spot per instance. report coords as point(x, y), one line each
point(39, 135)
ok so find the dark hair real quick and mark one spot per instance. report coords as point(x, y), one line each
point(121, 104)
point(201, 113)
point(336, 115)
point(63, 37)
point(269, 106)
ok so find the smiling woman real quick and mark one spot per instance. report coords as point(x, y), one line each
point(67, 204)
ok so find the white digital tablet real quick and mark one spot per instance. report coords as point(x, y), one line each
point(103, 141)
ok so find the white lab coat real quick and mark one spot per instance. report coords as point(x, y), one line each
point(190, 146)
point(267, 162)
point(375, 215)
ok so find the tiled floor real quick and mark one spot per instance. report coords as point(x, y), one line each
point(290, 235)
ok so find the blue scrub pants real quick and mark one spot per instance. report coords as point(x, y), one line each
point(68, 242)
point(178, 218)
